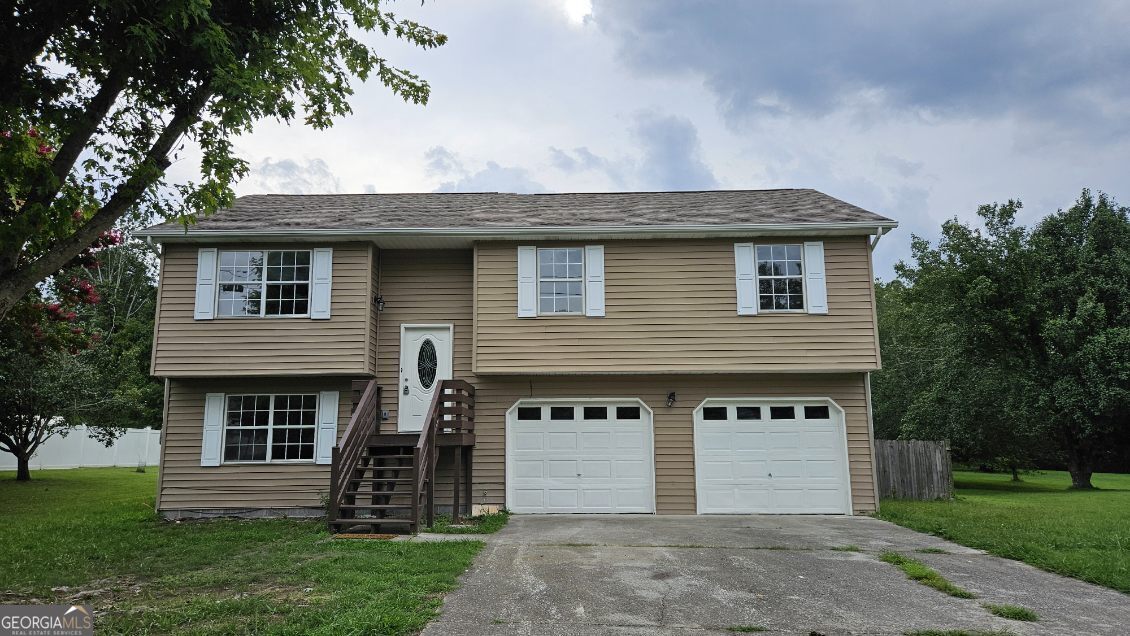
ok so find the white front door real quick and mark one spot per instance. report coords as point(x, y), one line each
point(771, 456)
point(425, 360)
point(579, 456)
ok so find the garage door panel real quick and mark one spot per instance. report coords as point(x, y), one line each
point(561, 498)
point(527, 440)
point(770, 466)
point(532, 469)
point(579, 465)
point(825, 500)
point(528, 498)
point(633, 499)
point(561, 441)
point(786, 468)
point(820, 439)
point(596, 440)
point(594, 500)
point(562, 468)
point(629, 440)
point(748, 470)
point(629, 469)
point(751, 497)
point(783, 440)
point(596, 469)
point(716, 470)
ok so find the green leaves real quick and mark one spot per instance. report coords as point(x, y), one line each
point(208, 70)
point(1012, 343)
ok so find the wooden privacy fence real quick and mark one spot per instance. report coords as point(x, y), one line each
point(913, 469)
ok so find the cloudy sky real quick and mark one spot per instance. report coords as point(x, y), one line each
point(918, 111)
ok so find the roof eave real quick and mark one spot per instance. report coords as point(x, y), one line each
point(179, 234)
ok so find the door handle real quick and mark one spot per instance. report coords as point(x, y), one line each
point(405, 386)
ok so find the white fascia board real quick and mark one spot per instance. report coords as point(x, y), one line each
point(864, 228)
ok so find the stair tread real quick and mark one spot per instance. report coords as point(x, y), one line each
point(375, 506)
point(361, 521)
point(399, 480)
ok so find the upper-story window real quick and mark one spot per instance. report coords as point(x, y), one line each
point(263, 283)
point(780, 277)
point(561, 280)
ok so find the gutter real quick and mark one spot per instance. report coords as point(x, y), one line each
point(861, 227)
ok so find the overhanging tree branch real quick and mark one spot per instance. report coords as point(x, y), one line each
point(146, 174)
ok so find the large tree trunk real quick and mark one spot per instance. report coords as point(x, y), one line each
point(1080, 466)
point(23, 470)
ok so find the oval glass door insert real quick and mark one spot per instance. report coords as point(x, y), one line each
point(426, 364)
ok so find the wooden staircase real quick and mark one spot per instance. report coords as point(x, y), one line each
point(382, 483)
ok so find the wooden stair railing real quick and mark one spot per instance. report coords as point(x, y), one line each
point(347, 452)
point(452, 410)
point(383, 481)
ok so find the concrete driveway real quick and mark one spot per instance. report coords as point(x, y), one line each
point(701, 575)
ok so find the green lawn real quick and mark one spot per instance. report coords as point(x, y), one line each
point(92, 535)
point(1084, 534)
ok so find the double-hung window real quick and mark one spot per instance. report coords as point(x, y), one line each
point(561, 273)
point(263, 283)
point(780, 278)
point(270, 428)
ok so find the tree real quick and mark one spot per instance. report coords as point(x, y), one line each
point(1080, 335)
point(1013, 343)
point(122, 324)
point(96, 96)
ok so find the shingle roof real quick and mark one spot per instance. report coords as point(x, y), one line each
point(483, 211)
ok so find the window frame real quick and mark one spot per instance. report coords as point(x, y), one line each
point(540, 279)
point(803, 279)
point(270, 431)
point(263, 282)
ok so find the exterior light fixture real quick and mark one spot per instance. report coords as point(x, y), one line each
point(380, 303)
point(671, 399)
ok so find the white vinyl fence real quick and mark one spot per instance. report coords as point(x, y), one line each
point(78, 449)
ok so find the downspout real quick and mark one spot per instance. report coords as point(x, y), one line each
point(879, 232)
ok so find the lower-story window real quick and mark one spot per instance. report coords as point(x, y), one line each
point(272, 427)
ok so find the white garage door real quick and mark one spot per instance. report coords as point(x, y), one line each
point(585, 456)
point(771, 456)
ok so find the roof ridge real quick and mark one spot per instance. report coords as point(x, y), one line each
point(529, 194)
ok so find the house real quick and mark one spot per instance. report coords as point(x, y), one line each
point(660, 352)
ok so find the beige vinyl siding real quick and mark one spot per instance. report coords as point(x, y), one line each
point(186, 485)
point(184, 347)
point(671, 307)
point(674, 428)
point(422, 287)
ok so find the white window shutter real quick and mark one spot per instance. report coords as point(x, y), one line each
point(327, 427)
point(205, 284)
point(594, 280)
point(744, 263)
point(527, 281)
point(212, 444)
point(321, 278)
point(815, 285)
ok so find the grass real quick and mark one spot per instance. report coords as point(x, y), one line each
point(747, 629)
point(482, 524)
point(1014, 612)
point(847, 548)
point(930, 551)
point(92, 535)
point(919, 571)
point(1040, 521)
